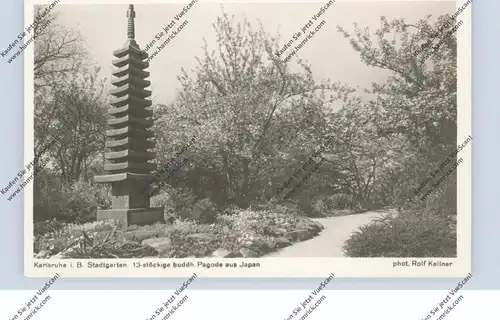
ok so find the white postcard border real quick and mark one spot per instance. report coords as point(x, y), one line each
point(273, 267)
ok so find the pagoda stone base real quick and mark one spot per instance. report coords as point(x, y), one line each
point(129, 217)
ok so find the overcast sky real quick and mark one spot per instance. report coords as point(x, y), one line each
point(330, 55)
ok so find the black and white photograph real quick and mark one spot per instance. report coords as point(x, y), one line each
point(246, 139)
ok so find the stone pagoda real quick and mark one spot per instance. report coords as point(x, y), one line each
point(128, 139)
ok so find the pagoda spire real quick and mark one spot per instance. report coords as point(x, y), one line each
point(131, 26)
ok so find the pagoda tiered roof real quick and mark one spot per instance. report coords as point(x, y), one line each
point(129, 137)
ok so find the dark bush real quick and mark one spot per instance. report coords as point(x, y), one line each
point(334, 205)
point(204, 211)
point(340, 201)
point(288, 208)
point(48, 226)
point(230, 209)
point(83, 199)
point(178, 202)
point(76, 203)
point(48, 198)
point(183, 200)
point(164, 199)
point(411, 234)
point(443, 201)
point(305, 206)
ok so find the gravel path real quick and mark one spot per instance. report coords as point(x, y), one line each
point(329, 242)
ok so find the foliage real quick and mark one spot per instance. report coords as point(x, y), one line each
point(141, 233)
point(48, 197)
point(247, 228)
point(408, 235)
point(180, 203)
point(164, 199)
point(53, 237)
point(185, 246)
point(204, 211)
point(47, 226)
point(78, 202)
point(444, 200)
point(68, 101)
point(261, 126)
point(258, 121)
point(408, 129)
point(336, 205)
point(285, 208)
point(73, 114)
point(252, 114)
point(252, 223)
point(305, 205)
point(412, 121)
point(323, 205)
point(84, 199)
point(59, 51)
point(68, 98)
point(103, 239)
point(258, 229)
point(183, 200)
point(340, 201)
point(67, 110)
point(229, 209)
point(110, 245)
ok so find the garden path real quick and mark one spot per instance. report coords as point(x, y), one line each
point(329, 242)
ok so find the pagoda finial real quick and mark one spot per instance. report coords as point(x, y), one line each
point(131, 16)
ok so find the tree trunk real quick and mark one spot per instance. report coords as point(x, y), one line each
point(226, 186)
point(243, 194)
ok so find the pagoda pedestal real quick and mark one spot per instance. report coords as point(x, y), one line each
point(129, 200)
point(129, 138)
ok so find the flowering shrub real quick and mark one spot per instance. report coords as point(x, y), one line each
point(250, 228)
point(189, 227)
point(244, 228)
point(96, 226)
